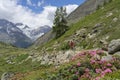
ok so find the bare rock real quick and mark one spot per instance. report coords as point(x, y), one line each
point(114, 46)
point(7, 76)
point(109, 14)
point(107, 58)
point(117, 53)
point(115, 19)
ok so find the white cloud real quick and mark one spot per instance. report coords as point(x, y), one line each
point(40, 3)
point(10, 10)
point(29, 2)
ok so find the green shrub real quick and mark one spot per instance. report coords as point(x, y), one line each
point(65, 46)
point(74, 77)
point(116, 62)
point(21, 57)
point(112, 76)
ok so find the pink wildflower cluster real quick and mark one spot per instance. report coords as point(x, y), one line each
point(90, 53)
point(86, 74)
point(78, 64)
point(101, 67)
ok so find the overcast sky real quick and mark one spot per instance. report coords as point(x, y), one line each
point(34, 13)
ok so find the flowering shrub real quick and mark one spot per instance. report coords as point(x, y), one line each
point(87, 65)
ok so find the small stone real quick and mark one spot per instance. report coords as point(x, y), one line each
point(107, 58)
point(109, 14)
point(115, 19)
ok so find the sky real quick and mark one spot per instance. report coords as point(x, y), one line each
point(34, 13)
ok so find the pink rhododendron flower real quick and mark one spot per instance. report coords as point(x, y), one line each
point(108, 70)
point(78, 64)
point(92, 53)
point(97, 78)
point(103, 61)
point(87, 75)
point(109, 64)
point(99, 51)
point(104, 67)
point(73, 58)
point(81, 54)
point(102, 74)
point(87, 70)
point(98, 70)
point(92, 61)
point(100, 62)
point(77, 73)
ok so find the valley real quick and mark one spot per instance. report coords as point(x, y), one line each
point(95, 56)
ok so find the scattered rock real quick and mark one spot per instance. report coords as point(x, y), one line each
point(107, 58)
point(7, 76)
point(109, 14)
point(55, 59)
point(97, 25)
point(91, 36)
point(102, 41)
point(81, 33)
point(115, 19)
point(114, 46)
point(117, 53)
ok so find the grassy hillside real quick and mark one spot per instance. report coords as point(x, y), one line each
point(89, 32)
point(93, 31)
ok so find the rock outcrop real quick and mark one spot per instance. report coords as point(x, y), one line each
point(45, 38)
point(55, 58)
point(7, 75)
point(114, 46)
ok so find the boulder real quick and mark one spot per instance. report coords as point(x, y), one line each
point(117, 53)
point(114, 46)
point(7, 76)
point(107, 58)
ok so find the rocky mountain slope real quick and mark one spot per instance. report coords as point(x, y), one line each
point(36, 33)
point(9, 33)
point(20, 35)
point(44, 39)
point(88, 7)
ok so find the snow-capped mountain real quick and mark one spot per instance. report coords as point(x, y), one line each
point(26, 29)
point(33, 33)
point(9, 33)
point(36, 33)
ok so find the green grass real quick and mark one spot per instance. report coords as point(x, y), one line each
point(112, 76)
point(108, 28)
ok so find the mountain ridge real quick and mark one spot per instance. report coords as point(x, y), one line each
point(88, 7)
point(33, 33)
point(9, 33)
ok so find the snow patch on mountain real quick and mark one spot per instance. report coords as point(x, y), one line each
point(33, 33)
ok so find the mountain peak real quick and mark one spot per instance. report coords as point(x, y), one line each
point(9, 33)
